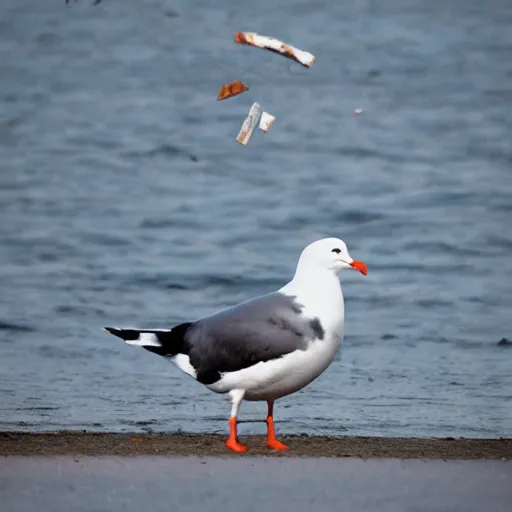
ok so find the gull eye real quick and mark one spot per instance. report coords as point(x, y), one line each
point(337, 251)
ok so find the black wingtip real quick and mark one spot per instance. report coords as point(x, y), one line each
point(125, 334)
point(112, 330)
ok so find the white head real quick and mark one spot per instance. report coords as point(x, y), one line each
point(329, 254)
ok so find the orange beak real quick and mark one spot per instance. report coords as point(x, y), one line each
point(359, 265)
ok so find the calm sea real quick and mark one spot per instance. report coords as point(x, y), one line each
point(125, 200)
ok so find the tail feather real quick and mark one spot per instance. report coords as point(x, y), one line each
point(164, 342)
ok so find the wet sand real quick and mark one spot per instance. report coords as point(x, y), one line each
point(105, 444)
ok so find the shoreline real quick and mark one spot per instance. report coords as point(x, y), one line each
point(97, 444)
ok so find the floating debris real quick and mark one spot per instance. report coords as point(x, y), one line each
point(266, 121)
point(357, 111)
point(247, 129)
point(504, 342)
point(275, 45)
point(231, 89)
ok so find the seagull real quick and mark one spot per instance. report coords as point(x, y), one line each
point(266, 347)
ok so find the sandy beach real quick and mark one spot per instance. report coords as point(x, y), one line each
point(103, 444)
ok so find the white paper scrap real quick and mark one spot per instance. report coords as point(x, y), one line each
point(266, 121)
point(247, 129)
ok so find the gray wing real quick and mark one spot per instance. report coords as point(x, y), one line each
point(261, 329)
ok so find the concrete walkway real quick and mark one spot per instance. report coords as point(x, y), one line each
point(171, 484)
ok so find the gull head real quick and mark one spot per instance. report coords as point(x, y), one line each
point(330, 254)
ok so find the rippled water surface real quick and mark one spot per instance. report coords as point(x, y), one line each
point(125, 200)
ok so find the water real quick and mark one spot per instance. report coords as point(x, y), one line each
point(125, 200)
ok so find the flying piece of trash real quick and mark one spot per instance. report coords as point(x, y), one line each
point(238, 87)
point(231, 89)
point(266, 121)
point(275, 45)
point(250, 122)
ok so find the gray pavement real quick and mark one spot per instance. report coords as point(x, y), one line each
point(170, 484)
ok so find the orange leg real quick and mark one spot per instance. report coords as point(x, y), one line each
point(271, 435)
point(232, 443)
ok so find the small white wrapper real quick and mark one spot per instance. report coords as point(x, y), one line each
point(247, 129)
point(266, 121)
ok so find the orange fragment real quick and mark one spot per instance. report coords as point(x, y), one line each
point(231, 89)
